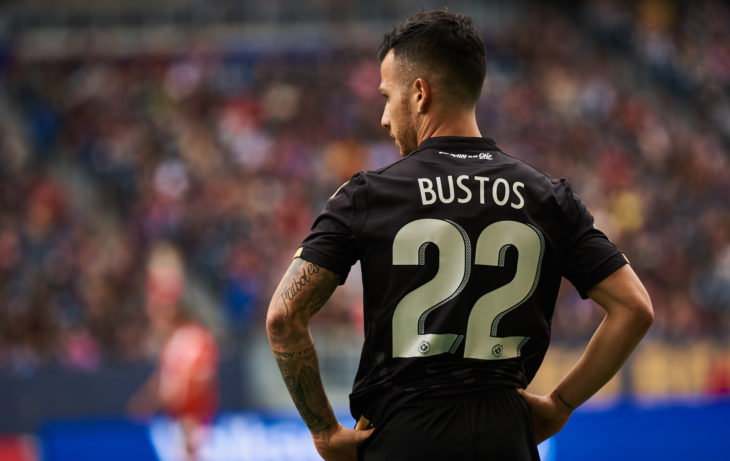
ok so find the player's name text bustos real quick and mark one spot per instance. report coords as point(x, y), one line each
point(465, 189)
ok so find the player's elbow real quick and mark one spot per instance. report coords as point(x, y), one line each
point(647, 315)
point(642, 312)
point(285, 321)
point(276, 324)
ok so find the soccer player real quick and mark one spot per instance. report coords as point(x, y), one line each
point(462, 249)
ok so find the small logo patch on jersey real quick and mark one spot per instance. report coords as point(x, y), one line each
point(424, 347)
point(497, 350)
point(480, 155)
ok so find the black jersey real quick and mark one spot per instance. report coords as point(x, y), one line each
point(462, 250)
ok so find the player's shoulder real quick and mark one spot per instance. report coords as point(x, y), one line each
point(361, 179)
point(534, 171)
point(555, 190)
point(384, 170)
point(559, 187)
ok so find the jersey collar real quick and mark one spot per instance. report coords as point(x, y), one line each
point(456, 142)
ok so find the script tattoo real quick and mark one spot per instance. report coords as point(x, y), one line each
point(301, 275)
point(299, 370)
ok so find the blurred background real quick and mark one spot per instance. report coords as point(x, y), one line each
point(214, 131)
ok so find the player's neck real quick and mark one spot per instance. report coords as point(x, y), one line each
point(463, 124)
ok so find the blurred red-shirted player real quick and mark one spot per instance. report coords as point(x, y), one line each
point(185, 383)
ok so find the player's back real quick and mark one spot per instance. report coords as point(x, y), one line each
point(462, 250)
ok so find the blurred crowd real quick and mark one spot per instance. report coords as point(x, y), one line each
point(229, 155)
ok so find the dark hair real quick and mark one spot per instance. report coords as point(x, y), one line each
point(445, 44)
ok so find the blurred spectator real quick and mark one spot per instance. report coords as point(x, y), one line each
point(185, 384)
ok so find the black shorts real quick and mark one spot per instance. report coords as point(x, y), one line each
point(492, 425)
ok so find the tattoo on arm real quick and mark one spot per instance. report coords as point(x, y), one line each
point(308, 284)
point(301, 293)
point(301, 376)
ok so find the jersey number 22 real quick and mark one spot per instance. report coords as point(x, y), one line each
point(454, 269)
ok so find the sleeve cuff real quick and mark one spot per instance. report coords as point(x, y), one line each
point(603, 270)
point(325, 261)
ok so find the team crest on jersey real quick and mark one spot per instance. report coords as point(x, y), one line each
point(497, 350)
point(424, 347)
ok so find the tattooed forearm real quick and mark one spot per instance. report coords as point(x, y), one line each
point(302, 292)
point(306, 282)
point(297, 278)
point(301, 376)
point(282, 357)
point(321, 293)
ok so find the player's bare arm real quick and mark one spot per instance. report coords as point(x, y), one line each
point(301, 293)
point(629, 314)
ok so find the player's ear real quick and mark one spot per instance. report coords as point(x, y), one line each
point(422, 95)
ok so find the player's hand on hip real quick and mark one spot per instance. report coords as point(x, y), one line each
point(549, 415)
point(340, 444)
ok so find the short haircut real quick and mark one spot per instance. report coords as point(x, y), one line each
point(442, 44)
